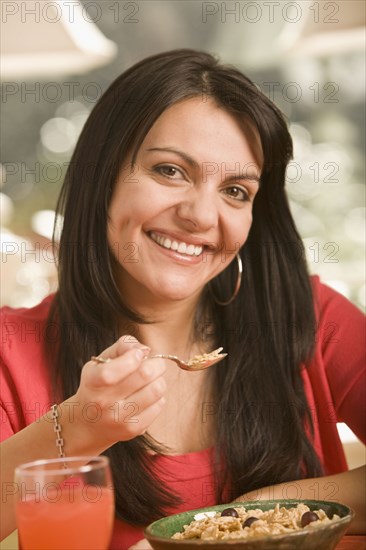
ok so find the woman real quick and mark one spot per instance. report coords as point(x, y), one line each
point(177, 180)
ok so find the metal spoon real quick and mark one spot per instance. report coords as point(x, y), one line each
point(198, 362)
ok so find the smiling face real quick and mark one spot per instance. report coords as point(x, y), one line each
point(179, 216)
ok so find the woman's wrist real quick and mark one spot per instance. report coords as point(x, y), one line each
point(79, 425)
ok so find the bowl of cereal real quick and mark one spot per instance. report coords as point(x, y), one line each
point(267, 524)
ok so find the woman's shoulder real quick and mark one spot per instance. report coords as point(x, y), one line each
point(37, 312)
point(24, 378)
point(340, 328)
point(328, 301)
point(320, 289)
point(24, 324)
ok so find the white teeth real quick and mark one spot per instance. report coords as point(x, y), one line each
point(181, 247)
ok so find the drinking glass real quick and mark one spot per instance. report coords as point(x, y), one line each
point(65, 504)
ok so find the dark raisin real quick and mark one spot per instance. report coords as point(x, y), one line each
point(307, 518)
point(248, 522)
point(230, 512)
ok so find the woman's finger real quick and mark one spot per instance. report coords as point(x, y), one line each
point(128, 373)
point(145, 393)
point(123, 344)
point(116, 370)
point(133, 420)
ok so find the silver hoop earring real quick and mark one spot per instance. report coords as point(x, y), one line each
point(237, 287)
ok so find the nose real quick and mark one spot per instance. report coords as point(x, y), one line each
point(199, 210)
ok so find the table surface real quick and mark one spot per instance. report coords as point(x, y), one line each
point(351, 542)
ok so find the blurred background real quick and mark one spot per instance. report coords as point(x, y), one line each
point(308, 56)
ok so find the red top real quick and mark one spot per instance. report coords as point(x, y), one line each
point(334, 382)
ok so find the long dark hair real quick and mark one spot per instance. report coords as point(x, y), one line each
point(268, 331)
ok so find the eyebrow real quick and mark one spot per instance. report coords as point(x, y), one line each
point(194, 163)
point(248, 177)
point(184, 156)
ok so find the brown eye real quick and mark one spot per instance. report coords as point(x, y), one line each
point(168, 171)
point(237, 193)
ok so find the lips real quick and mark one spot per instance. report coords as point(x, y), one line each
point(179, 246)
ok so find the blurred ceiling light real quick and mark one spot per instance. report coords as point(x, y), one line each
point(43, 39)
point(325, 28)
point(58, 135)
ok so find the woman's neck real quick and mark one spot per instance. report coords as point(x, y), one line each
point(172, 331)
point(170, 328)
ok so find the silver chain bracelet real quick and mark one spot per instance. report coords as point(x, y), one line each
point(57, 429)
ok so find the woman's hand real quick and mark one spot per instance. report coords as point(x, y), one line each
point(115, 401)
point(119, 399)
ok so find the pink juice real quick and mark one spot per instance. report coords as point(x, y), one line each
point(76, 519)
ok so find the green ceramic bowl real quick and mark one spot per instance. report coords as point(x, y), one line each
point(323, 538)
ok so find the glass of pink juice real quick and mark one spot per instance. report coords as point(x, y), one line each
point(65, 504)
